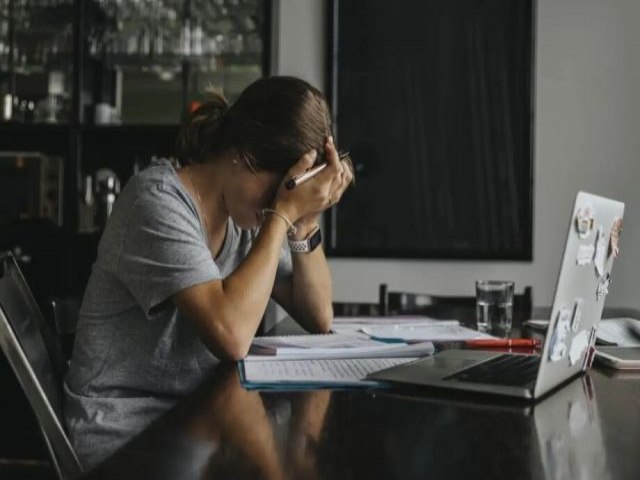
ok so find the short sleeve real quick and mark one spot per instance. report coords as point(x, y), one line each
point(163, 249)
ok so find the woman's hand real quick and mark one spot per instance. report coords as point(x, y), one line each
point(304, 203)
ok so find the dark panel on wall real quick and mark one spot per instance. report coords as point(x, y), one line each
point(433, 98)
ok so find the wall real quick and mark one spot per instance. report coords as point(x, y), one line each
point(587, 112)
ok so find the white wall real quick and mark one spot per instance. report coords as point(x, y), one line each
point(587, 137)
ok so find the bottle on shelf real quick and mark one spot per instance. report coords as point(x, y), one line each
point(7, 107)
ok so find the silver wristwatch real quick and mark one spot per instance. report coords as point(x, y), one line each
point(309, 244)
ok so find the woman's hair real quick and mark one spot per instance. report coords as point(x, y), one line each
point(271, 125)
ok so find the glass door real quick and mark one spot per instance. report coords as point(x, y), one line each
point(151, 58)
point(36, 60)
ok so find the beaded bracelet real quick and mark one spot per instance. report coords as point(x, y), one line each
point(291, 228)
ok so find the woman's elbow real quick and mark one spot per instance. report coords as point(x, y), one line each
point(229, 346)
point(324, 328)
point(322, 323)
point(231, 353)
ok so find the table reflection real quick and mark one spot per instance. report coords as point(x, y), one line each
point(569, 434)
point(112, 423)
point(224, 431)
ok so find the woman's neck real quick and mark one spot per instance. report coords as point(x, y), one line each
point(204, 182)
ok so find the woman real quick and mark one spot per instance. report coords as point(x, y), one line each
point(191, 255)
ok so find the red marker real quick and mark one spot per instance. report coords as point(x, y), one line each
point(502, 342)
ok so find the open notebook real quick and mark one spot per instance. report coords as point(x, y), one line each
point(341, 359)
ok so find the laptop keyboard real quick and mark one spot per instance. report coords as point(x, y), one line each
point(510, 370)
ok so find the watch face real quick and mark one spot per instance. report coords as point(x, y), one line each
point(315, 240)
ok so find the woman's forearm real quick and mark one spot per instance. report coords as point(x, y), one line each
point(311, 291)
point(247, 290)
point(226, 313)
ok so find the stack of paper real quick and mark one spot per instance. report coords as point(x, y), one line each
point(335, 345)
point(446, 332)
point(624, 332)
point(355, 324)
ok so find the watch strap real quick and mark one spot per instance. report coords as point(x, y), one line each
point(307, 245)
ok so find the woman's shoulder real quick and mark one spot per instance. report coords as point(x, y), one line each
point(159, 180)
point(160, 171)
point(152, 201)
point(152, 197)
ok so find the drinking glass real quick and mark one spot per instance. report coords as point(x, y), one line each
point(494, 306)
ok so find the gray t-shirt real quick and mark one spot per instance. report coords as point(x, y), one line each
point(131, 342)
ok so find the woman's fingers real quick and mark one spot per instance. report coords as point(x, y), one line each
point(324, 189)
point(305, 163)
point(340, 172)
point(334, 165)
point(346, 177)
point(333, 159)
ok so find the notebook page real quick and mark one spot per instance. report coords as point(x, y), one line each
point(395, 320)
point(334, 371)
point(355, 324)
point(384, 350)
point(328, 340)
point(432, 333)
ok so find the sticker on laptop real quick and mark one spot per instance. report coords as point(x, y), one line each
point(603, 286)
point(601, 251)
point(585, 255)
point(577, 314)
point(588, 358)
point(614, 238)
point(558, 348)
point(578, 346)
point(585, 221)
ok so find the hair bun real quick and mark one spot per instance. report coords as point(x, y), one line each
point(202, 129)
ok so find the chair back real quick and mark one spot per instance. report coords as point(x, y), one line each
point(355, 309)
point(30, 348)
point(64, 312)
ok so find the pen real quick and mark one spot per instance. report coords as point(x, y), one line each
point(303, 177)
point(502, 342)
point(296, 180)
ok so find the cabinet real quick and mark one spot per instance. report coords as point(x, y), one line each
point(104, 84)
point(149, 58)
point(126, 61)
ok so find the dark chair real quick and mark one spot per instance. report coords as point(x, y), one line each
point(64, 318)
point(35, 357)
point(405, 303)
point(355, 309)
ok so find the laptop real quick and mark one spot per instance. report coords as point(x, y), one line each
point(582, 285)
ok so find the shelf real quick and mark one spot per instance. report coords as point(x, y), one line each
point(63, 63)
point(131, 127)
point(205, 63)
point(22, 126)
